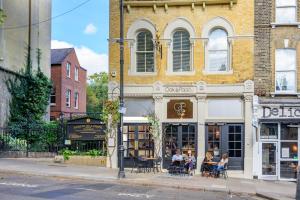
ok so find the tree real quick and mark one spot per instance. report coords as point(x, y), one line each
point(97, 90)
point(2, 16)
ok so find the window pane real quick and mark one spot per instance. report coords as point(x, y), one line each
point(285, 59)
point(176, 61)
point(289, 150)
point(218, 40)
point(288, 169)
point(269, 131)
point(140, 62)
point(285, 2)
point(186, 61)
point(286, 15)
point(217, 60)
point(145, 54)
point(285, 81)
point(288, 133)
point(150, 62)
point(181, 51)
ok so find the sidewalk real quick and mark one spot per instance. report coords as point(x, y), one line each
point(45, 167)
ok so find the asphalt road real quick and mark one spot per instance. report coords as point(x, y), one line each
point(24, 187)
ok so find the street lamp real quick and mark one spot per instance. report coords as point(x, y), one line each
point(121, 173)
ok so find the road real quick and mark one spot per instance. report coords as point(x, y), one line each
point(25, 187)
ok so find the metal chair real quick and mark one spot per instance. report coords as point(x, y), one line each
point(223, 172)
point(157, 164)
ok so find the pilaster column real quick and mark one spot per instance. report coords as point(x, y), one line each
point(201, 107)
point(248, 158)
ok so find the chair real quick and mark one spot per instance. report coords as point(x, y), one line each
point(138, 164)
point(223, 172)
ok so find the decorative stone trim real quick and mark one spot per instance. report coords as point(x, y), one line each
point(274, 25)
point(162, 3)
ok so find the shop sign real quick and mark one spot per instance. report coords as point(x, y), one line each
point(279, 112)
point(85, 129)
point(180, 109)
point(179, 89)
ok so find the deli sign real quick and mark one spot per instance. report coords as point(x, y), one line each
point(269, 112)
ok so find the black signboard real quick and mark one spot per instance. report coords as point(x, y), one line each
point(86, 129)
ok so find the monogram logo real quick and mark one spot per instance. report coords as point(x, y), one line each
point(179, 108)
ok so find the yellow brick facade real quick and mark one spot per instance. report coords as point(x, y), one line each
point(240, 16)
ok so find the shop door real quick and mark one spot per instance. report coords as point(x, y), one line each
point(178, 136)
point(269, 160)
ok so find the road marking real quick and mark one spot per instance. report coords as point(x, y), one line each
point(136, 195)
point(19, 185)
point(86, 189)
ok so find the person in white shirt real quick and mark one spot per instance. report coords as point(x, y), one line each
point(177, 157)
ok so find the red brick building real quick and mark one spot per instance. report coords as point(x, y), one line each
point(69, 83)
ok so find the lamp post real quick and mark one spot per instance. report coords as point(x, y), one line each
point(121, 173)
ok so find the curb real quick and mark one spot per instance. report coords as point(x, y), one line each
point(149, 184)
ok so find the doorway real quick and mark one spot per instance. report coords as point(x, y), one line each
point(178, 136)
point(269, 160)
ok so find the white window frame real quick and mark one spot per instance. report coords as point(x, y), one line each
point(179, 23)
point(134, 29)
point(295, 71)
point(68, 98)
point(76, 77)
point(217, 23)
point(290, 6)
point(190, 51)
point(68, 69)
point(136, 52)
point(76, 100)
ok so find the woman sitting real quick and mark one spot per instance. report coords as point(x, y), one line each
point(205, 167)
point(190, 162)
point(221, 164)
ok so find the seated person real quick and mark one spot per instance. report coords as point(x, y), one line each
point(221, 164)
point(177, 158)
point(204, 165)
point(190, 161)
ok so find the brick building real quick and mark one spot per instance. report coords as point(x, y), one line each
point(191, 63)
point(276, 105)
point(69, 83)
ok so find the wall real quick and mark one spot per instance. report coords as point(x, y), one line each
point(241, 16)
point(13, 43)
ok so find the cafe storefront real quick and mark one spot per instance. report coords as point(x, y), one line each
point(278, 129)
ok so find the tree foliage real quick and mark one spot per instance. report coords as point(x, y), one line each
point(97, 90)
point(2, 16)
point(30, 92)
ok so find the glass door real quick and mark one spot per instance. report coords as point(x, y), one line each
point(269, 160)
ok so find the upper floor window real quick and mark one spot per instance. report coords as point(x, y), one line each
point(286, 11)
point(76, 73)
point(53, 96)
point(68, 69)
point(68, 98)
point(76, 97)
point(285, 65)
point(144, 52)
point(181, 51)
point(218, 51)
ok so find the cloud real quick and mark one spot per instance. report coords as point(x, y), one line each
point(92, 61)
point(90, 29)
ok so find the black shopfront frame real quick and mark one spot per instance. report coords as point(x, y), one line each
point(226, 132)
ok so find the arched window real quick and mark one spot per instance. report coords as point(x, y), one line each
point(144, 52)
point(218, 51)
point(181, 51)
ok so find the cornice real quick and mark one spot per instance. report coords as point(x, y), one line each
point(163, 3)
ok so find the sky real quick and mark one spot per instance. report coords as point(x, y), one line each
point(85, 29)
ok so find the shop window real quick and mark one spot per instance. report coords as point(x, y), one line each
point(289, 150)
point(285, 64)
point(286, 11)
point(145, 52)
point(235, 141)
point(181, 51)
point(214, 139)
point(288, 169)
point(218, 51)
point(288, 133)
point(269, 131)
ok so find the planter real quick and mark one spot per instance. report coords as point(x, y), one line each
point(99, 161)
